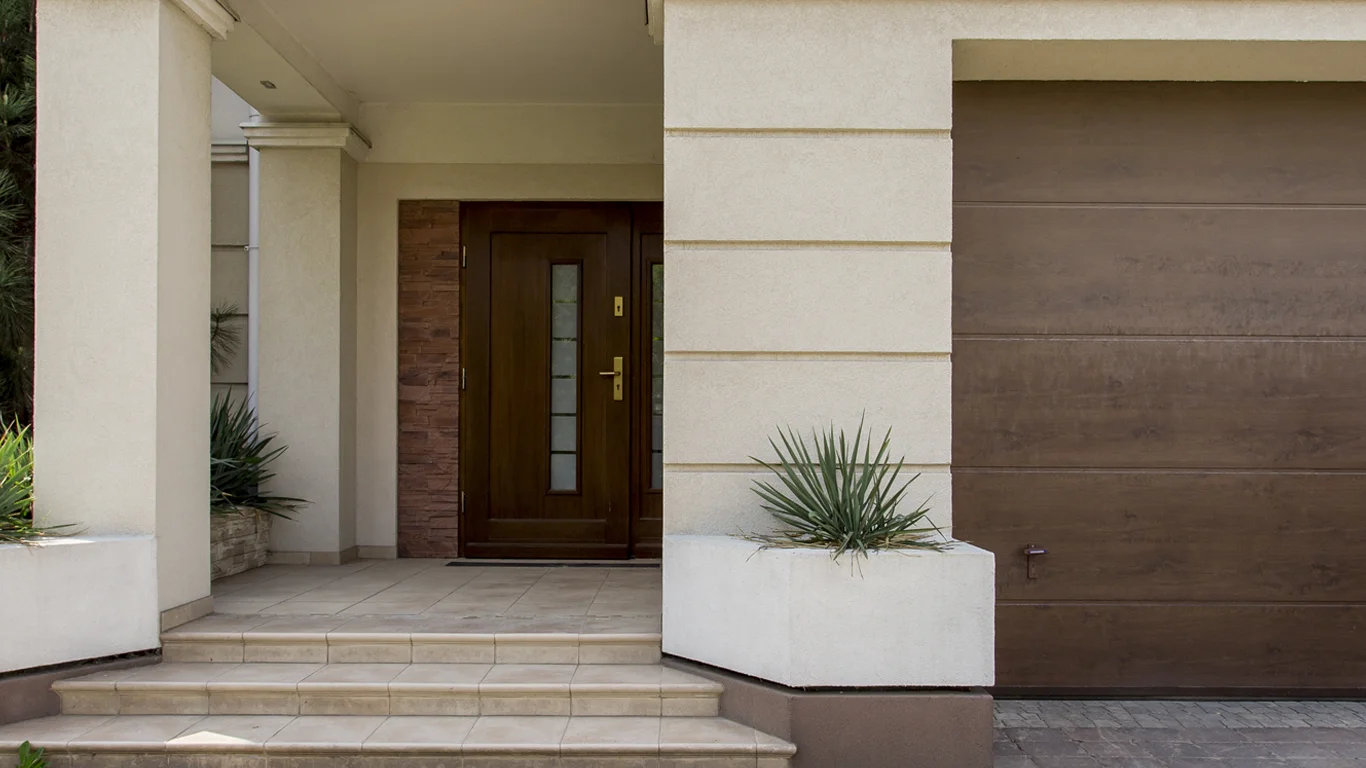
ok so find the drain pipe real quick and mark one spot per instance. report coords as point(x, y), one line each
point(253, 267)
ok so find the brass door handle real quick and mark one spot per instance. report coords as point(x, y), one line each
point(618, 370)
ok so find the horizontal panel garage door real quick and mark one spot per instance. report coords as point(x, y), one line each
point(1160, 378)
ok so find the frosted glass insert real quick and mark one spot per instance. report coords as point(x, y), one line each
point(563, 472)
point(564, 377)
point(562, 434)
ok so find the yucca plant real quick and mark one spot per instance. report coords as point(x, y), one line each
point(240, 456)
point(841, 497)
point(16, 489)
point(31, 756)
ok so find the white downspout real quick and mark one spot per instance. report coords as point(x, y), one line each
point(253, 267)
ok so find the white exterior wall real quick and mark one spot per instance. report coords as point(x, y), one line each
point(122, 373)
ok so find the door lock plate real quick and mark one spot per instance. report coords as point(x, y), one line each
point(618, 307)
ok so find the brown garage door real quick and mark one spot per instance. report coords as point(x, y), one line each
point(1160, 377)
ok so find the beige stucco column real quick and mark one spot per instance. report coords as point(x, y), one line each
point(808, 217)
point(122, 356)
point(306, 389)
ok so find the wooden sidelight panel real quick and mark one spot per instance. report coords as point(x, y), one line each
point(648, 467)
point(556, 375)
point(1159, 343)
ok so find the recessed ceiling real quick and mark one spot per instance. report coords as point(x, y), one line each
point(482, 51)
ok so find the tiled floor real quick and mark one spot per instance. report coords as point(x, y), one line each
point(430, 588)
point(1180, 734)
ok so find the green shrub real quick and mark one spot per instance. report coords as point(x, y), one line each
point(240, 456)
point(31, 756)
point(838, 501)
point(16, 488)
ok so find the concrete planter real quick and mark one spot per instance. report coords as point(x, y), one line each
point(78, 597)
point(238, 542)
point(795, 617)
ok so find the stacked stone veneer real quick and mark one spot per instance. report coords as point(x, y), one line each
point(428, 378)
point(238, 542)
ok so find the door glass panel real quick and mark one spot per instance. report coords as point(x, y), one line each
point(564, 376)
point(656, 376)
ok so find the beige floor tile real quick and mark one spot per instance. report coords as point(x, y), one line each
point(544, 649)
point(449, 703)
point(229, 651)
point(623, 625)
point(535, 735)
point(351, 651)
point(48, 731)
point(705, 735)
point(151, 731)
point(218, 623)
point(467, 649)
point(442, 674)
point(339, 733)
point(515, 625)
point(381, 624)
point(355, 673)
point(271, 674)
point(300, 624)
point(619, 653)
point(614, 761)
point(524, 703)
point(350, 703)
point(637, 674)
point(699, 761)
point(306, 608)
point(458, 625)
point(635, 735)
point(540, 674)
point(690, 706)
point(229, 733)
point(399, 733)
point(311, 651)
point(389, 607)
point(246, 607)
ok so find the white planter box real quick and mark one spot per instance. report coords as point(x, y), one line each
point(911, 618)
point(79, 597)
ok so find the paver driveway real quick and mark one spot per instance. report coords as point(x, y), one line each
point(1180, 734)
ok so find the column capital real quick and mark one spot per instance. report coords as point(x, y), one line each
point(342, 136)
point(209, 14)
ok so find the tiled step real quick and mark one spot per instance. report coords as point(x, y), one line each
point(328, 640)
point(391, 689)
point(265, 741)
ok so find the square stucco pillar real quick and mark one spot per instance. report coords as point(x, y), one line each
point(307, 348)
point(121, 394)
point(808, 216)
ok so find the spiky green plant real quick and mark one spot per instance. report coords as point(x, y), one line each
point(16, 489)
point(240, 456)
point(225, 338)
point(17, 132)
point(834, 498)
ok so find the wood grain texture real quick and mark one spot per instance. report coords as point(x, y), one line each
point(1111, 142)
point(1189, 646)
point(1169, 536)
point(1157, 374)
point(1173, 404)
point(1159, 271)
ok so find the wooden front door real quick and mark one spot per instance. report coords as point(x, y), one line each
point(549, 422)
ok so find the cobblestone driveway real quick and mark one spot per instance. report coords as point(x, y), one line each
point(1180, 734)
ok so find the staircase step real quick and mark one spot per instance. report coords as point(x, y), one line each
point(391, 689)
point(383, 742)
point(333, 640)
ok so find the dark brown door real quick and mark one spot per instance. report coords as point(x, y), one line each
point(1159, 313)
point(552, 390)
point(648, 242)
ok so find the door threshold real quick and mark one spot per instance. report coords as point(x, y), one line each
point(644, 562)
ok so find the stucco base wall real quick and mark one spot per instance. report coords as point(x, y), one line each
point(910, 618)
point(91, 596)
point(869, 729)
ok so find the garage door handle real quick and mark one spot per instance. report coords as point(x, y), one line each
point(1032, 552)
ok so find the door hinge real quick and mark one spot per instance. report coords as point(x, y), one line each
point(463, 262)
point(462, 378)
point(462, 501)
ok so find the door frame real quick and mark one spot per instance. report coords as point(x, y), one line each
point(646, 218)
